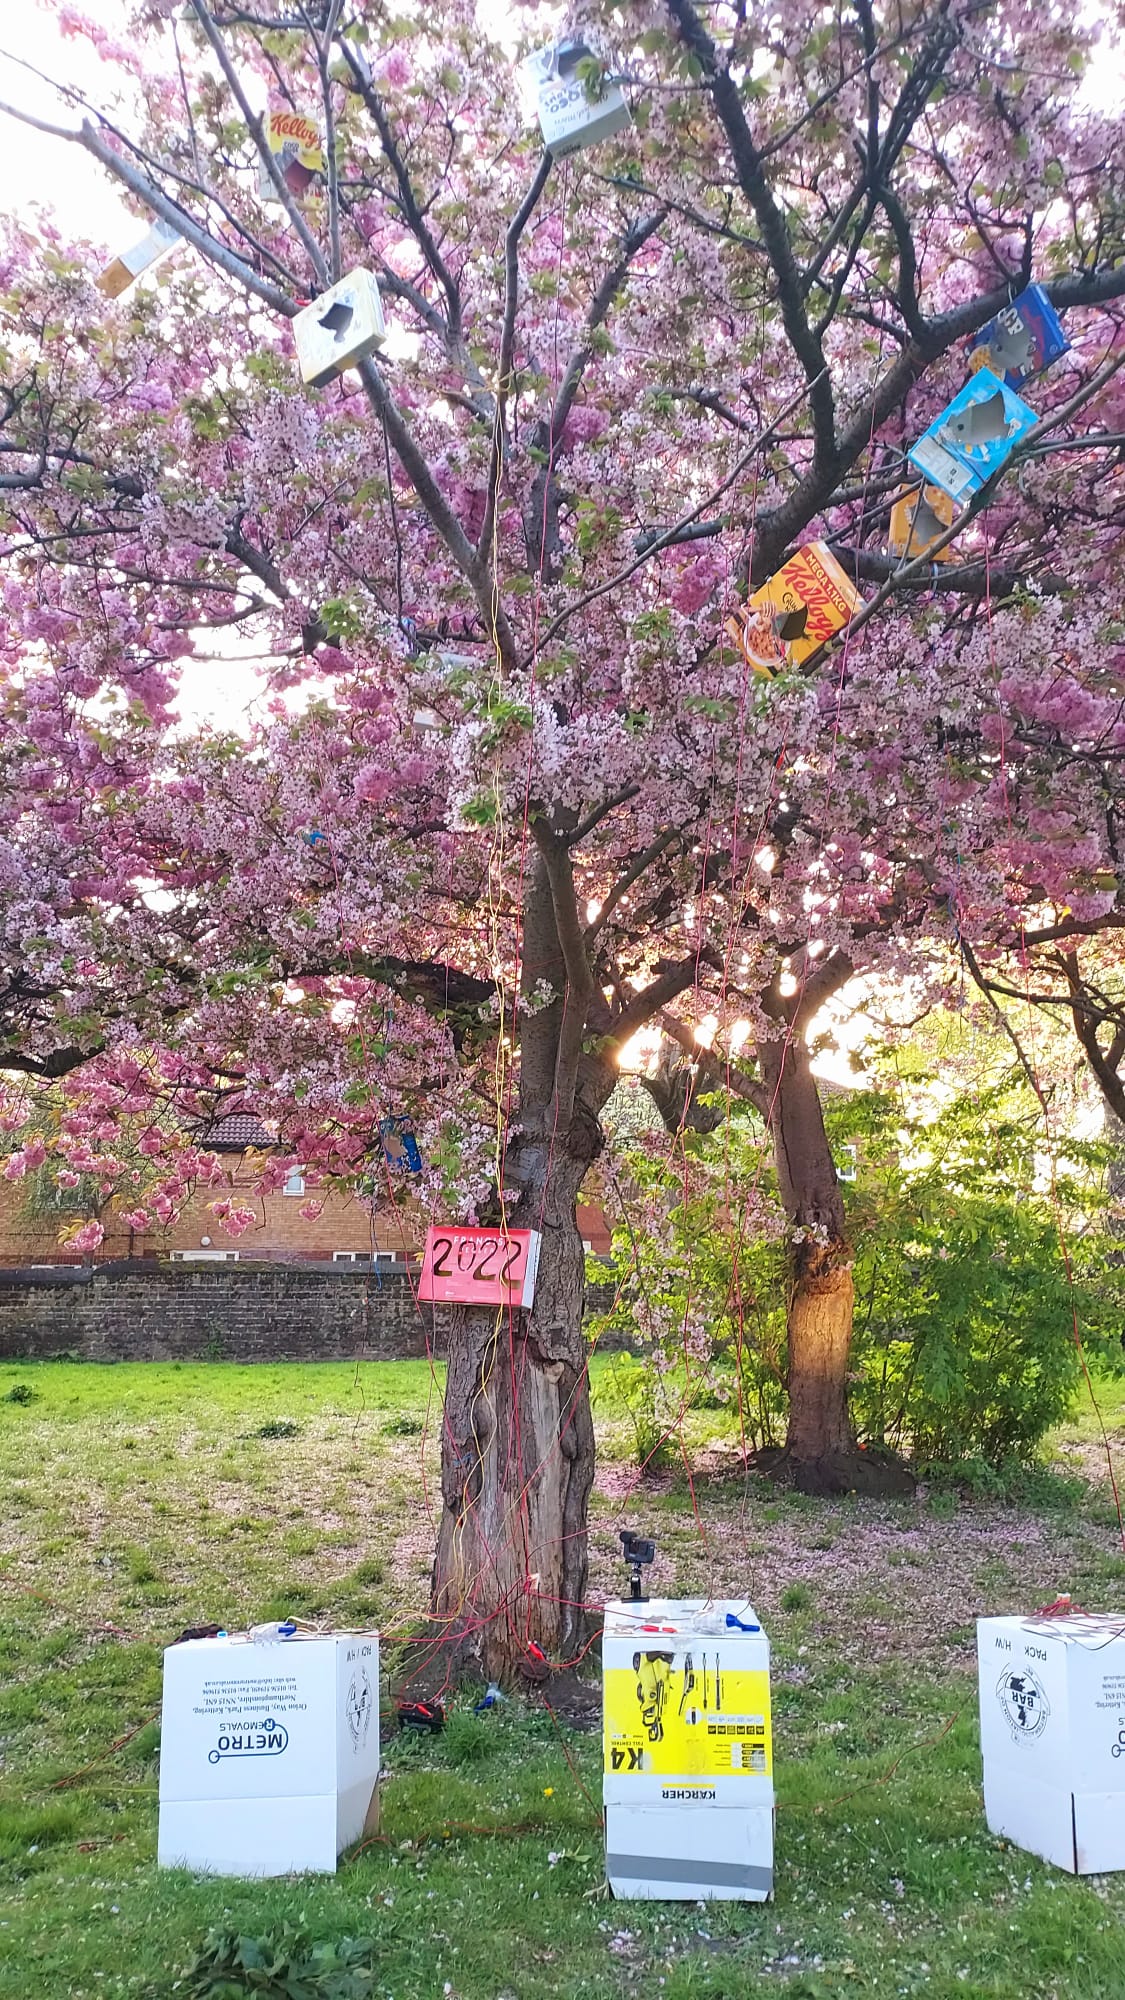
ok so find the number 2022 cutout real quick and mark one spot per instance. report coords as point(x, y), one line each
point(479, 1267)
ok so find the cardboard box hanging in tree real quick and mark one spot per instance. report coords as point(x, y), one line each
point(339, 328)
point(973, 436)
point(1023, 339)
point(294, 141)
point(479, 1267)
point(919, 516)
point(804, 603)
point(154, 244)
point(400, 1145)
point(576, 104)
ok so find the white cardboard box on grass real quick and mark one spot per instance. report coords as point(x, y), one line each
point(687, 1765)
point(1052, 1729)
point(269, 1754)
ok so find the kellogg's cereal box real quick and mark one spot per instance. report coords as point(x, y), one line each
point(294, 141)
point(805, 602)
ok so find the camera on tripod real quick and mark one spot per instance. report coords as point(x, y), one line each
point(638, 1553)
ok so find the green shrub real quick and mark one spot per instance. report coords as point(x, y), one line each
point(469, 1738)
point(635, 1386)
point(278, 1427)
point(22, 1392)
point(282, 1965)
point(966, 1308)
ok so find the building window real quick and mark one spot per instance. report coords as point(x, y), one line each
point(294, 1182)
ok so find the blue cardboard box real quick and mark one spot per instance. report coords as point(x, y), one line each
point(1022, 340)
point(973, 436)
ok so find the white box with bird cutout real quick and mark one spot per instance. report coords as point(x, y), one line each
point(341, 327)
point(688, 1752)
point(1052, 1729)
point(570, 114)
point(269, 1755)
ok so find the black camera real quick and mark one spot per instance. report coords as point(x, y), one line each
point(637, 1553)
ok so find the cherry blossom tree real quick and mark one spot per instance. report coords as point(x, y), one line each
point(513, 794)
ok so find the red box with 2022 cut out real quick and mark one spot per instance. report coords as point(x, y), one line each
point(479, 1267)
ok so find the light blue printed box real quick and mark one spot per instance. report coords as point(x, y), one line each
point(972, 437)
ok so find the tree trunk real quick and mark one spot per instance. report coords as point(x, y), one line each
point(510, 1569)
point(819, 1443)
point(820, 1449)
point(518, 1458)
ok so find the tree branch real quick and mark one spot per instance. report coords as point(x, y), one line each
point(169, 211)
point(579, 979)
point(595, 817)
point(666, 987)
point(726, 1075)
point(750, 168)
point(670, 535)
point(515, 230)
point(541, 510)
point(632, 874)
point(265, 152)
point(364, 87)
point(417, 468)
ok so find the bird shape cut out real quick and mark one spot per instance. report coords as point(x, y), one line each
point(979, 425)
point(338, 318)
point(926, 525)
point(790, 625)
point(1011, 347)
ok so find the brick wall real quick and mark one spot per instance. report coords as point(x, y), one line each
point(237, 1313)
point(230, 1312)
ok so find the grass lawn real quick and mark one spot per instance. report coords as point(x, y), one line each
point(140, 1499)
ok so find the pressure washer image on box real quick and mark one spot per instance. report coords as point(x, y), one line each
point(684, 1713)
point(654, 1675)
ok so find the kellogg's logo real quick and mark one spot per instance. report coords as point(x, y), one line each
point(291, 125)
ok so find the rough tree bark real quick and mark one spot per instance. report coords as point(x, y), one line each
point(820, 1450)
point(517, 1437)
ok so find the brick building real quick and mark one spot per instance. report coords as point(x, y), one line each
point(340, 1226)
point(344, 1228)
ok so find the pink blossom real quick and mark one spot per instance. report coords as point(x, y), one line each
point(395, 70)
point(373, 785)
point(87, 1238)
